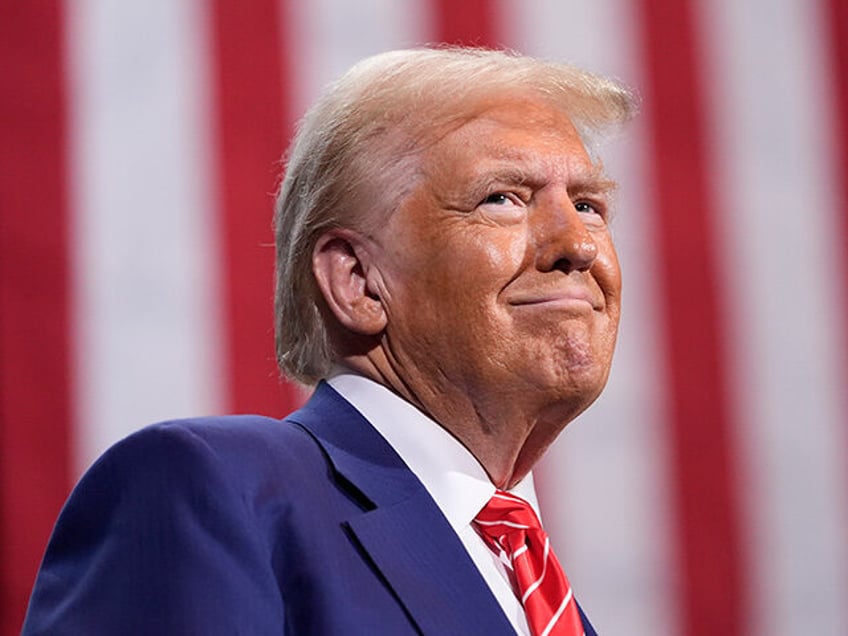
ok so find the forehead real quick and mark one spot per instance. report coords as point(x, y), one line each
point(527, 133)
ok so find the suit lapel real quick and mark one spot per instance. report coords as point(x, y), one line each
point(423, 560)
point(401, 528)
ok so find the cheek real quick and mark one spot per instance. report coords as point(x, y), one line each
point(607, 272)
point(489, 260)
point(470, 267)
point(503, 249)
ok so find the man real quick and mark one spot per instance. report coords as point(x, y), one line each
point(444, 263)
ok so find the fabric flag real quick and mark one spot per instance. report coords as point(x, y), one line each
point(705, 493)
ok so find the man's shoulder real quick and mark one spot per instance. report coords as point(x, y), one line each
point(220, 436)
point(238, 438)
point(222, 500)
point(234, 451)
point(219, 432)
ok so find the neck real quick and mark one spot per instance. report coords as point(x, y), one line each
point(505, 432)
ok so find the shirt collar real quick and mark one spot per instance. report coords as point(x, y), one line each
point(454, 478)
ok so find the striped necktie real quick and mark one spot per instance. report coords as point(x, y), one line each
point(508, 524)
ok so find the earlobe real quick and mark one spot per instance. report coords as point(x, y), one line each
point(341, 268)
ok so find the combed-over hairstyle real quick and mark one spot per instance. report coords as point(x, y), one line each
point(356, 150)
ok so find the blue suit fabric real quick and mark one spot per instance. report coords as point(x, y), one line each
point(249, 525)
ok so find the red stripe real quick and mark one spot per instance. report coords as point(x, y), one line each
point(253, 129)
point(34, 311)
point(714, 588)
point(470, 22)
point(836, 25)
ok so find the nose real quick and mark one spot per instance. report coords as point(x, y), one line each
point(561, 238)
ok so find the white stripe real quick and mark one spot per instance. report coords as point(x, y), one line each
point(535, 584)
point(519, 552)
point(783, 245)
point(510, 524)
point(558, 613)
point(603, 487)
point(147, 336)
point(329, 36)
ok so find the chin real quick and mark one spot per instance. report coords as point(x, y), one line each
point(577, 376)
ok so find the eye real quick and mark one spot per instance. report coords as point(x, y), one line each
point(497, 198)
point(505, 199)
point(501, 208)
point(587, 207)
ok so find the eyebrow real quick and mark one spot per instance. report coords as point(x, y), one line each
point(584, 179)
point(599, 187)
point(520, 170)
point(592, 181)
point(592, 178)
point(486, 178)
point(504, 174)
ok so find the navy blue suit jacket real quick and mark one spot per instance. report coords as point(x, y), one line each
point(249, 525)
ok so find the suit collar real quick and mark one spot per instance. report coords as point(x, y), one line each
point(357, 452)
point(401, 529)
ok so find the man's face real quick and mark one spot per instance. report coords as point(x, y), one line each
point(500, 278)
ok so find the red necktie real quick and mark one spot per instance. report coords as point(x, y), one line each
point(508, 523)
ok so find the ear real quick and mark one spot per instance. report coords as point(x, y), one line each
point(340, 264)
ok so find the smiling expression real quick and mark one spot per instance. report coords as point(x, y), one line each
point(498, 273)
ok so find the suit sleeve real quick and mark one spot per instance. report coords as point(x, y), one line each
point(157, 538)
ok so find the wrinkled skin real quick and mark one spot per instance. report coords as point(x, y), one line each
point(494, 289)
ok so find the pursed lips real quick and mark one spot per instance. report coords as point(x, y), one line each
point(561, 297)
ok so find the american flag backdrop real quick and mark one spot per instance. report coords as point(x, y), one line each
point(705, 493)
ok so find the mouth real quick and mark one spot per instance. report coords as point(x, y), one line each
point(570, 299)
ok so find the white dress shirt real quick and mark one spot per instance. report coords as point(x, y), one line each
point(451, 474)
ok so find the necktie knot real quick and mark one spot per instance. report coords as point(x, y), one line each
point(509, 524)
